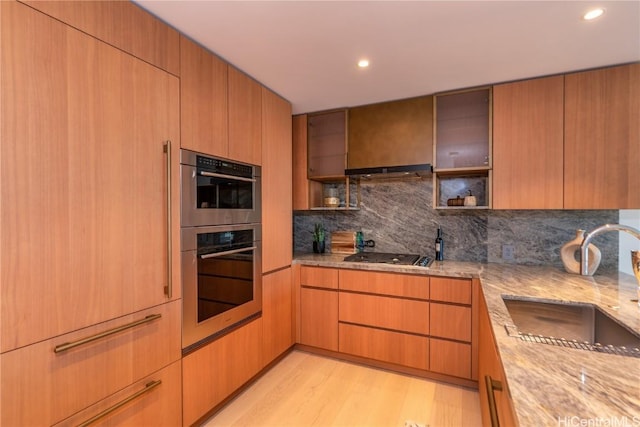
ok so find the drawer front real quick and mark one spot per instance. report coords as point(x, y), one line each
point(450, 358)
point(153, 401)
point(387, 346)
point(40, 386)
point(448, 289)
point(450, 321)
point(319, 277)
point(391, 313)
point(402, 285)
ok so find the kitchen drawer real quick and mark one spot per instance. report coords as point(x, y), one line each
point(448, 289)
point(41, 387)
point(399, 314)
point(450, 358)
point(450, 321)
point(319, 277)
point(402, 285)
point(154, 401)
point(387, 346)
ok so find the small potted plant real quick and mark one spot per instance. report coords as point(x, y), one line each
point(318, 238)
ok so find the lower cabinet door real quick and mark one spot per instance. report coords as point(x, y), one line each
point(387, 346)
point(212, 373)
point(319, 318)
point(153, 401)
point(451, 358)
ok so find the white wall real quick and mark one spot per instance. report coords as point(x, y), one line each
point(627, 241)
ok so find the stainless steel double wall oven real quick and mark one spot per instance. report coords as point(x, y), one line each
point(221, 245)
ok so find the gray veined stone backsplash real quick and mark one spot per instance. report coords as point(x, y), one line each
point(399, 216)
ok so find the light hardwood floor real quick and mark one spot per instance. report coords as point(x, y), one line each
point(310, 390)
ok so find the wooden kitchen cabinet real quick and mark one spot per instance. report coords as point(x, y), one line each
point(43, 387)
point(491, 377)
point(82, 178)
point(121, 24)
point(453, 327)
point(203, 100)
point(602, 138)
point(327, 144)
point(277, 314)
point(306, 193)
point(245, 118)
point(319, 307)
point(214, 372)
point(277, 212)
point(528, 144)
point(462, 147)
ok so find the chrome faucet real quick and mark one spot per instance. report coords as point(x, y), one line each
point(584, 252)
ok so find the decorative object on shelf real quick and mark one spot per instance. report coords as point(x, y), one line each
point(331, 199)
point(571, 249)
point(318, 238)
point(470, 200)
point(635, 266)
point(458, 201)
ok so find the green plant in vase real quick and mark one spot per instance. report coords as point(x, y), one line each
point(318, 238)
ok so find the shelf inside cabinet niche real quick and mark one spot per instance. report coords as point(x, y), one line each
point(450, 184)
point(348, 190)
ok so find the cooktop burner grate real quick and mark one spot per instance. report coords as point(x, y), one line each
point(389, 258)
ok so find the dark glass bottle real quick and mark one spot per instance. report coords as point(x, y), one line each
point(439, 246)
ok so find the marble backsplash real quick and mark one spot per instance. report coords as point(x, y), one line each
point(398, 215)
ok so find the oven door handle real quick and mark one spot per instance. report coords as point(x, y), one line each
point(221, 175)
point(235, 251)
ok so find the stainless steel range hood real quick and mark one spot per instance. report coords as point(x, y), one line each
point(391, 139)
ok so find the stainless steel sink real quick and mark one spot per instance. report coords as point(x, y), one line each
point(571, 325)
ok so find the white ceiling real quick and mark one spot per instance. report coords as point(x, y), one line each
point(307, 50)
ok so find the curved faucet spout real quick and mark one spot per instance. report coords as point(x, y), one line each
point(584, 252)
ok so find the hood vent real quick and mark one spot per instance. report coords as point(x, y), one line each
point(391, 139)
point(382, 172)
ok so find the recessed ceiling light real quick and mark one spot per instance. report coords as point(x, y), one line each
point(363, 63)
point(593, 14)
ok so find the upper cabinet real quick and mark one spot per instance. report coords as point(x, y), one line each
point(203, 100)
point(396, 133)
point(602, 139)
point(528, 144)
point(327, 144)
point(568, 142)
point(220, 107)
point(121, 24)
point(462, 148)
point(245, 118)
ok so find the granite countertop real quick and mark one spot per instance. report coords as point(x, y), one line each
point(549, 385)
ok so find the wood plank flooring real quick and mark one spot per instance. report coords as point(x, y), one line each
point(309, 390)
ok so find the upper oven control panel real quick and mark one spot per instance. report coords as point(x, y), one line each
point(224, 166)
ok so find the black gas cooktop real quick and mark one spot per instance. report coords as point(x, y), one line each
point(389, 258)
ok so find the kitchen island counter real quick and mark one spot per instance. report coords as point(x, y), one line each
point(549, 385)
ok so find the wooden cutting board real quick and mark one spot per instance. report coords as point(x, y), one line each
point(343, 242)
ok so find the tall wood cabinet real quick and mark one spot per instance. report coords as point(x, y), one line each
point(528, 159)
point(602, 139)
point(277, 215)
point(245, 118)
point(85, 230)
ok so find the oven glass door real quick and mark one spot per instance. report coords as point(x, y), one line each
point(221, 279)
point(225, 271)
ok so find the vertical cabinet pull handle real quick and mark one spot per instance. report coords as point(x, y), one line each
point(147, 388)
point(168, 290)
point(68, 346)
point(491, 386)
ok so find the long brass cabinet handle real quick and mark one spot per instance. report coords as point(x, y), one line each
point(147, 388)
point(68, 346)
point(491, 386)
point(168, 290)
